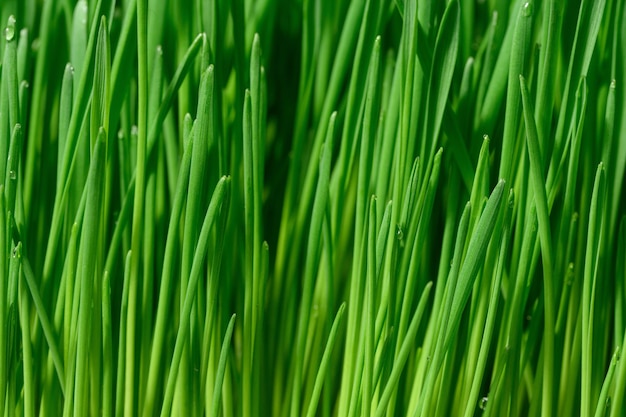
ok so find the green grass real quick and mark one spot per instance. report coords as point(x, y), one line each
point(312, 208)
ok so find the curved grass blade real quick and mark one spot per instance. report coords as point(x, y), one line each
point(27, 348)
point(545, 237)
point(369, 309)
point(474, 258)
point(405, 350)
point(101, 81)
point(165, 290)
point(121, 353)
point(88, 270)
point(481, 363)
point(603, 400)
point(219, 201)
point(321, 373)
point(589, 18)
point(312, 263)
point(107, 348)
point(130, 406)
point(5, 244)
point(221, 368)
point(47, 326)
point(8, 92)
point(443, 63)
point(519, 58)
point(592, 253)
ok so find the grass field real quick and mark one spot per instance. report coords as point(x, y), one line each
point(326, 208)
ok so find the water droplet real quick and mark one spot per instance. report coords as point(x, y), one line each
point(9, 31)
point(482, 404)
point(399, 233)
point(527, 9)
point(12, 174)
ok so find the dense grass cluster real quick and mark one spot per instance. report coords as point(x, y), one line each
point(312, 208)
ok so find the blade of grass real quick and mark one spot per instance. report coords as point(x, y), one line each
point(121, 352)
point(27, 348)
point(545, 237)
point(8, 91)
point(165, 290)
point(4, 307)
point(370, 312)
point(405, 350)
point(218, 201)
point(130, 405)
point(88, 270)
point(520, 49)
point(473, 260)
point(603, 401)
point(553, 14)
point(320, 376)
point(592, 252)
point(221, 368)
point(589, 17)
point(204, 131)
point(440, 78)
point(489, 328)
point(107, 348)
point(312, 264)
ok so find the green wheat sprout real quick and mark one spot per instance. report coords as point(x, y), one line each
point(326, 208)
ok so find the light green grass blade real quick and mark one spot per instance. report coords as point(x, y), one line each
point(403, 354)
point(520, 51)
point(101, 81)
point(130, 403)
point(218, 200)
point(107, 348)
point(221, 368)
point(4, 306)
point(545, 237)
point(319, 378)
point(592, 252)
point(444, 58)
point(603, 400)
point(312, 264)
point(121, 356)
point(8, 91)
point(27, 349)
point(166, 290)
point(587, 27)
point(89, 268)
point(369, 310)
point(488, 330)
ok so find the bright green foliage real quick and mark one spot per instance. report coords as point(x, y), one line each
point(313, 207)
